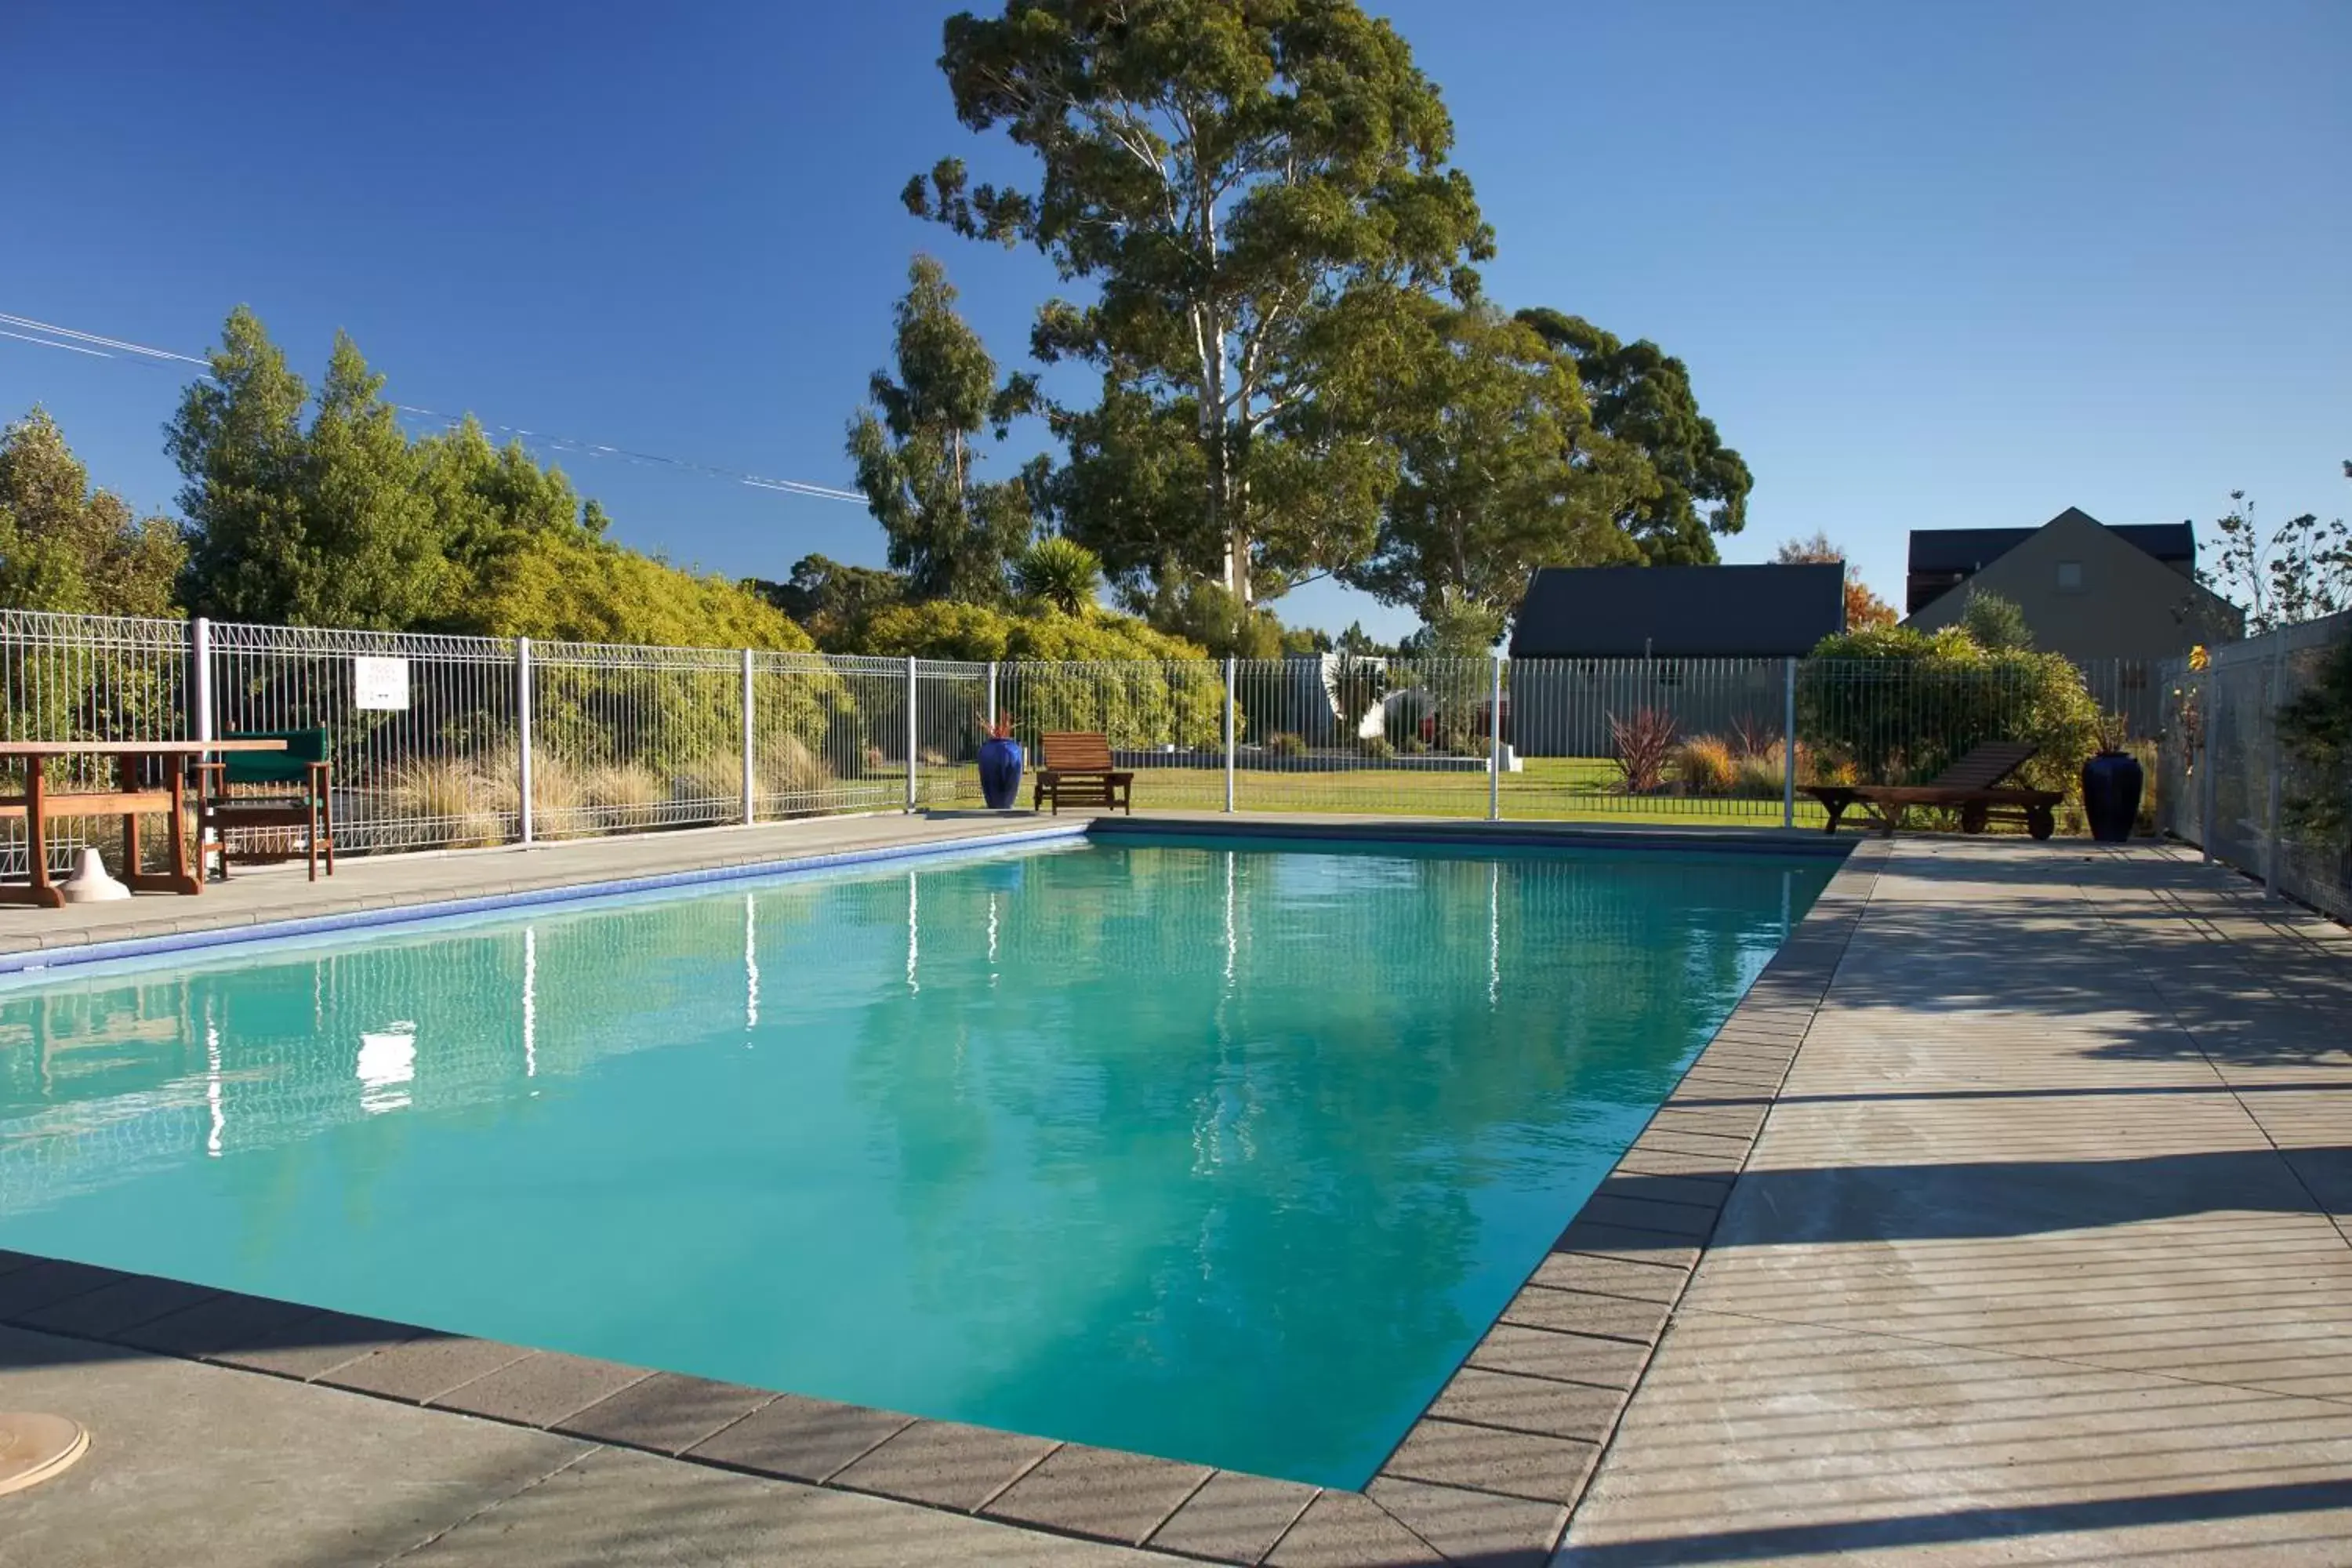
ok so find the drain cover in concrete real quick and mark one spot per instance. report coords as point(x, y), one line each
point(35, 1447)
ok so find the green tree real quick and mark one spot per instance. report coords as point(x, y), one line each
point(833, 601)
point(1863, 609)
point(566, 587)
point(1256, 193)
point(1642, 399)
point(1214, 616)
point(1489, 432)
point(1060, 574)
point(2300, 571)
point(323, 527)
point(66, 547)
point(950, 534)
point(1996, 624)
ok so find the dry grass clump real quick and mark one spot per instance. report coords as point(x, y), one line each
point(789, 765)
point(1703, 765)
point(624, 795)
point(447, 791)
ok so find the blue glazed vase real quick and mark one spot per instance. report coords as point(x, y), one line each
point(2111, 787)
point(1000, 773)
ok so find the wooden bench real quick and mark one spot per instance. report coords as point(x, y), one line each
point(1972, 785)
point(1076, 770)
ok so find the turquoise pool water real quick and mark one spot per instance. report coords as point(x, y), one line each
point(1227, 1154)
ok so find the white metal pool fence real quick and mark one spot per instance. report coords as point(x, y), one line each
point(442, 742)
point(2227, 784)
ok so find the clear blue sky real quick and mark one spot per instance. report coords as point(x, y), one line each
point(1930, 266)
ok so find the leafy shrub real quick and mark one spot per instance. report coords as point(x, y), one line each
point(1640, 745)
point(1703, 765)
point(1283, 744)
point(1377, 747)
point(1758, 777)
point(1896, 705)
point(1411, 745)
point(2315, 732)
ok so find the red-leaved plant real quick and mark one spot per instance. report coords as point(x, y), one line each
point(1003, 729)
point(1642, 744)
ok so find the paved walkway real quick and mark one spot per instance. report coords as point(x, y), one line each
point(2043, 1255)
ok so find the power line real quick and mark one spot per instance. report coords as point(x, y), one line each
point(98, 346)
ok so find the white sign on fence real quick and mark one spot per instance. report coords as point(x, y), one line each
point(380, 685)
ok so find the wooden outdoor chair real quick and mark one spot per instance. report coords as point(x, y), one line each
point(291, 790)
point(1972, 785)
point(1076, 770)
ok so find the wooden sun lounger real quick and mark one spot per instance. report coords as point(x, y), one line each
point(1077, 770)
point(1972, 784)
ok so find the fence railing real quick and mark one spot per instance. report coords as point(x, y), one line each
point(2227, 784)
point(443, 741)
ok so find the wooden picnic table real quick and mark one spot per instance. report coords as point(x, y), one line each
point(40, 805)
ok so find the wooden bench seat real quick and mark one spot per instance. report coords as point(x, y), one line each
point(1077, 770)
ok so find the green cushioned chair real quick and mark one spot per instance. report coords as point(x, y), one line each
point(290, 789)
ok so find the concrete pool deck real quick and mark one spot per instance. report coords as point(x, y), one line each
point(2040, 1253)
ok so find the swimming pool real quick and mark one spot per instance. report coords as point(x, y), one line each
point(1225, 1151)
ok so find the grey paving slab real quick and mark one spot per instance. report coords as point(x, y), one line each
point(800, 1438)
point(1472, 1527)
point(1542, 1404)
point(1585, 1312)
point(1573, 1358)
point(423, 1369)
point(667, 1413)
point(1646, 1213)
point(110, 1309)
point(1636, 1244)
point(1531, 1465)
point(540, 1389)
point(44, 1284)
point(946, 1464)
point(192, 1464)
point(219, 1325)
point(1233, 1518)
point(625, 1510)
point(1100, 1492)
point(1348, 1529)
point(313, 1343)
point(1599, 1276)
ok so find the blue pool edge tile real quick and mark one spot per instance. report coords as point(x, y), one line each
point(38, 960)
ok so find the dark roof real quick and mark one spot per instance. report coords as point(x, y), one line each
point(1970, 550)
point(1679, 612)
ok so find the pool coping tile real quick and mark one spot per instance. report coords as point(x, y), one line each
point(1491, 1472)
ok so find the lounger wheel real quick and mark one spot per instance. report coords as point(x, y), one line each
point(1973, 819)
point(2040, 823)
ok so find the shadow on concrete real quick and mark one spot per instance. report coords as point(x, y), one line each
point(2008, 1197)
point(2142, 1511)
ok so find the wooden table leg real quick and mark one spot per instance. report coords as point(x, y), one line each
point(177, 769)
point(126, 778)
point(37, 838)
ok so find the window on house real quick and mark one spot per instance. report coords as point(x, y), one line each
point(2069, 576)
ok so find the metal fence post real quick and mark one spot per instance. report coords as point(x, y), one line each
point(750, 791)
point(2206, 790)
point(2271, 768)
point(988, 719)
point(1494, 744)
point(522, 717)
point(1789, 743)
point(1229, 731)
point(911, 731)
point(200, 665)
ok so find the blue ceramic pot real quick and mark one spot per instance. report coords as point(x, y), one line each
point(1000, 773)
point(2111, 787)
